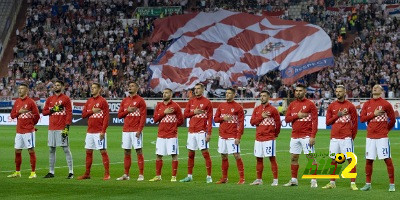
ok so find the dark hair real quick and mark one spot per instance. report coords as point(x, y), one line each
point(231, 89)
point(168, 90)
point(301, 85)
point(60, 82)
point(266, 92)
point(97, 84)
point(136, 84)
point(201, 85)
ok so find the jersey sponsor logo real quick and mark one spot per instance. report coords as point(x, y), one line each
point(76, 120)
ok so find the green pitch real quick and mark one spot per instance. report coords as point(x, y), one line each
point(61, 188)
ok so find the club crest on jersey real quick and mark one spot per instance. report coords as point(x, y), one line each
point(304, 107)
point(60, 102)
point(26, 106)
point(201, 105)
point(97, 104)
point(379, 107)
point(232, 109)
point(134, 103)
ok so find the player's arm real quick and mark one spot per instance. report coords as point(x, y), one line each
point(256, 120)
point(14, 113)
point(179, 115)
point(354, 120)
point(314, 119)
point(277, 119)
point(158, 114)
point(240, 123)
point(288, 117)
point(46, 109)
point(392, 117)
point(363, 116)
point(187, 113)
point(330, 117)
point(121, 112)
point(143, 114)
point(68, 111)
point(35, 112)
point(85, 112)
point(217, 116)
point(106, 116)
point(209, 118)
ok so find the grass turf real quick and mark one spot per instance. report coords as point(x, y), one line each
point(95, 188)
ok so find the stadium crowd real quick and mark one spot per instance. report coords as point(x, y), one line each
point(88, 41)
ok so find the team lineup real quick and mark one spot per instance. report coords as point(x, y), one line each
point(301, 113)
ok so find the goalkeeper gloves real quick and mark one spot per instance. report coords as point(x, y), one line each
point(56, 108)
point(65, 132)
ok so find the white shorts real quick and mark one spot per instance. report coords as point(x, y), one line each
point(25, 141)
point(93, 141)
point(341, 146)
point(197, 141)
point(55, 139)
point(130, 140)
point(167, 146)
point(228, 146)
point(264, 148)
point(299, 144)
point(380, 147)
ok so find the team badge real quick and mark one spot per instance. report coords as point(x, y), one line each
point(232, 109)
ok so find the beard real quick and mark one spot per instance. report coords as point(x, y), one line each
point(166, 98)
point(57, 91)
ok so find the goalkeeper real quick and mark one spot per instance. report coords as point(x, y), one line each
point(59, 109)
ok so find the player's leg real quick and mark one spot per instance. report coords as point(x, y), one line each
point(308, 151)
point(383, 148)
point(235, 150)
point(334, 148)
point(102, 146)
point(259, 154)
point(51, 142)
point(207, 158)
point(90, 144)
point(347, 145)
point(270, 151)
point(70, 162)
point(138, 145)
point(191, 145)
point(295, 150)
point(174, 167)
point(370, 155)
point(18, 161)
point(29, 140)
point(126, 145)
point(224, 168)
point(161, 150)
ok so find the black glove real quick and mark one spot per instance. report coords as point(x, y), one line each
point(56, 108)
point(65, 132)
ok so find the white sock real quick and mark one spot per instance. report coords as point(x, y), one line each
point(189, 175)
point(52, 159)
point(368, 183)
point(294, 179)
point(333, 182)
point(68, 157)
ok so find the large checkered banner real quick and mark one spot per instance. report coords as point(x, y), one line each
point(234, 46)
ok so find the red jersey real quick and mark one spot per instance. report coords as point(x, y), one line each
point(168, 127)
point(97, 122)
point(266, 128)
point(378, 126)
point(302, 127)
point(25, 121)
point(233, 128)
point(133, 122)
point(344, 126)
point(58, 120)
point(199, 122)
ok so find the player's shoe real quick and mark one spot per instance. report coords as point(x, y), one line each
point(274, 182)
point(392, 188)
point(140, 178)
point(70, 176)
point(291, 183)
point(186, 179)
point(366, 187)
point(49, 175)
point(257, 182)
point(106, 177)
point(314, 184)
point(173, 179)
point(209, 179)
point(222, 181)
point(85, 176)
point(156, 178)
point(241, 181)
point(353, 186)
point(33, 175)
point(123, 178)
point(16, 174)
point(329, 186)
